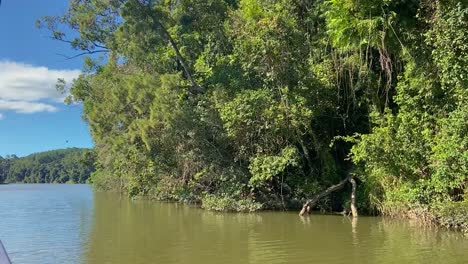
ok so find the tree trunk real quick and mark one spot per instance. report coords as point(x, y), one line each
point(195, 87)
point(353, 198)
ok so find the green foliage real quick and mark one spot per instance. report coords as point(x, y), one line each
point(230, 204)
point(264, 167)
point(453, 215)
point(255, 121)
point(57, 166)
point(450, 47)
point(417, 152)
point(450, 153)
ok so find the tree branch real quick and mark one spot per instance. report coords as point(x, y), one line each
point(83, 53)
point(97, 45)
point(310, 203)
point(197, 88)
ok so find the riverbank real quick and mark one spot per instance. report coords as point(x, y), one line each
point(450, 215)
point(454, 215)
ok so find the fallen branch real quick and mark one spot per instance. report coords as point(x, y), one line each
point(310, 203)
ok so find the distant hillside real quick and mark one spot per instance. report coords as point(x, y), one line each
point(72, 165)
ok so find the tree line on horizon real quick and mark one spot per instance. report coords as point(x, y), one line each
point(248, 104)
point(72, 165)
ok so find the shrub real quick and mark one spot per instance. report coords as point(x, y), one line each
point(229, 204)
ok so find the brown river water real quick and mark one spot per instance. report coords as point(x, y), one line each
point(73, 224)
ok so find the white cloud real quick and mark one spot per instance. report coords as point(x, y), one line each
point(1, 116)
point(29, 89)
point(26, 107)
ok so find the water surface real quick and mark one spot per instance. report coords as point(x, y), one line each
point(72, 224)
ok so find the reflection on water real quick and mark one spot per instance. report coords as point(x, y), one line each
point(42, 224)
point(45, 223)
point(146, 232)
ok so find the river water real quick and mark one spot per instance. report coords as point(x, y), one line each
point(72, 224)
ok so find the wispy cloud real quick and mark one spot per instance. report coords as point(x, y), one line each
point(25, 88)
point(1, 116)
point(25, 107)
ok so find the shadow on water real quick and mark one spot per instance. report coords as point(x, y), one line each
point(129, 231)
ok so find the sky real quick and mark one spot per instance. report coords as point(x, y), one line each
point(33, 117)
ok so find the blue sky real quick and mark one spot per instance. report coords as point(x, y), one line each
point(32, 115)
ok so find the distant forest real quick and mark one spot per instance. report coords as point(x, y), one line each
point(72, 165)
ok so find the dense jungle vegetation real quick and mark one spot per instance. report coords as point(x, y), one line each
point(248, 104)
point(71, 165)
